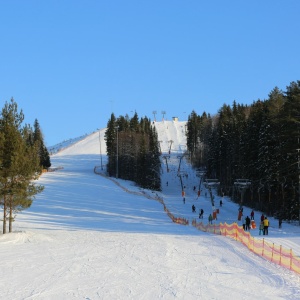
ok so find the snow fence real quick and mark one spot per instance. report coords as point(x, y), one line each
point(274, 253)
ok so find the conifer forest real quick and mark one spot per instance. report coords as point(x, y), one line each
point(254, 151)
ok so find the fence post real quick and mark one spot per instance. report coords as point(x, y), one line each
point(272, 252)
point(280, 255)
point(263, 248)
point(291, 258)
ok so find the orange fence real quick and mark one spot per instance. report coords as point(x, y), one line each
point(181, 221)
point(270, 251)
point(274, 253)
point(212, 228)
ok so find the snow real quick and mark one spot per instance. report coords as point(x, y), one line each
point(87, 236)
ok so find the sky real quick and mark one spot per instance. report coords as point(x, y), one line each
point(90, 237)
point(70, 64)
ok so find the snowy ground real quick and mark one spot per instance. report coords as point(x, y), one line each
point(86, 237)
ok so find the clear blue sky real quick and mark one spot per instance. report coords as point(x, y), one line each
point(70, 63)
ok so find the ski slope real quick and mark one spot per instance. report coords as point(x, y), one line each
point(91, 237)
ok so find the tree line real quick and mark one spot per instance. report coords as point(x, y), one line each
point(133, 151)
point(23, 156)
point(258, 142)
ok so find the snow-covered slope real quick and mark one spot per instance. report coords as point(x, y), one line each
point(171, 134)
point(91, 237)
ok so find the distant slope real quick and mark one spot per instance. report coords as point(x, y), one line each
point(65, 144)
point(90, 144)
point(171, 131)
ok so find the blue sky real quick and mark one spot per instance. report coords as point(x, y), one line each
point(70, 63)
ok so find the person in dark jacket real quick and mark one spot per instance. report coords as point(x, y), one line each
point(201, 213)
point(279, 222)
point(247, 223)
point(210, 218)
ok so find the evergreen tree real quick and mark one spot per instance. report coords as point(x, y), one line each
point(154, 161)
point(42, 150)
point(110, 138)
point(19, 164)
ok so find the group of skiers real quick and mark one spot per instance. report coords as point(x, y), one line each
point(264, 221)
point(264, 225)
point(201, 211)
point(247, 220)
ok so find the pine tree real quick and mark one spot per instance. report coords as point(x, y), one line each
point(42, 150)
point(110, 138)
point(153, 173)
point(19, 164)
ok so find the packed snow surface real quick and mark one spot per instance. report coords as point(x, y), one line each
point(87, 236)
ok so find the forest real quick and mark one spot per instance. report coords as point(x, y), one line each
point(133, 151)
point(253, 151)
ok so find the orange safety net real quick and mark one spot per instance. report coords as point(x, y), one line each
point(270, 251)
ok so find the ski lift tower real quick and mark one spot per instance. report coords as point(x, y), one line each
point(154, 113)
point(180, 158)
point(242, 185)
point(166, 158)
point(200, 173)
point(209, 184)
point(180, 173)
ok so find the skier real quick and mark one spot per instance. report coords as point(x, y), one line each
point(252, 215)
point(201, 214)
point(244, 223)
point(266, 226)
point(210, 218)
point(279, 222)
point(261, 228)
point(193, 208)
point(247, 223)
